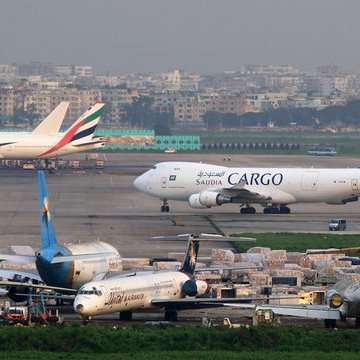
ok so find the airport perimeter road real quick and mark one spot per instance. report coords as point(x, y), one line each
point(88, 205)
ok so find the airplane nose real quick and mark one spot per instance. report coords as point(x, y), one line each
point(139, 183)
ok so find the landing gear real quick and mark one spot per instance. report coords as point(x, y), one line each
point(284, 209)
point(330, 323)
point(247, 210)
point(357, 322)
point(86, 319)
point(271, 210)
point(165, 206)
point(171, 315)
point(125, 316)
point(277, 210)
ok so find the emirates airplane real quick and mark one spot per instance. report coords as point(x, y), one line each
point(47, 142)
point(205, 186)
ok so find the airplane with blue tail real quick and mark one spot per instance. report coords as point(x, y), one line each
point(65, 266)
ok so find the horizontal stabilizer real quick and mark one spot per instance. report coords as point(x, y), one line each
point(62, 259)
point(25, 259)
point(90, 143)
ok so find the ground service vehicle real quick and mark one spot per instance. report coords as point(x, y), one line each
point(337, 224)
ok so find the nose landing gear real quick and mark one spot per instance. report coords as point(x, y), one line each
point(165, 206)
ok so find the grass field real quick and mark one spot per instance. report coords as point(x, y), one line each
point(172, 342)
point(181, 355)
point(298, 241)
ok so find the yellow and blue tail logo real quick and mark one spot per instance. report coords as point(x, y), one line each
point(191, 255)
point(48, 237)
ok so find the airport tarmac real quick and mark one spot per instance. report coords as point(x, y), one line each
point(89, 205)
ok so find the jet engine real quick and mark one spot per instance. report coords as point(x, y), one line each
point(194, 202)
point(334, 299)
point(211, 198)
point(195, 288)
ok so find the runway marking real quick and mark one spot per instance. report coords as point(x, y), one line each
point(104, 156)
point(111, 181)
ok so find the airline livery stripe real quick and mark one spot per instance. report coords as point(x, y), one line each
point(84, 133)
point(72, 131)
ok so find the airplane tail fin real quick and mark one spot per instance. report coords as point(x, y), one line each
point(48, 237)
point(82, 131)
point(52, 123)
point(189, 263)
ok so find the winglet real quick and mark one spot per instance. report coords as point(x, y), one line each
point(48, 237)
point(191, 255)
point(52, 123)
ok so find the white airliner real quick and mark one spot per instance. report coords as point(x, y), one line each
point(63, 266)
point(50, 126)
point(47, 142)
point(205, 186)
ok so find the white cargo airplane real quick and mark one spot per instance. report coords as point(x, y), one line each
point(205, 186)
point(47, 142)
point(62, 266)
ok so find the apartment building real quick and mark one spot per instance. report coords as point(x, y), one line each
point(7, 102)
point(46, 100)
point(115, 100)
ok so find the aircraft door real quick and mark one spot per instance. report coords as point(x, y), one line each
point(354, 184)
point(163, 182)
point(105, 293)
point(309, 180)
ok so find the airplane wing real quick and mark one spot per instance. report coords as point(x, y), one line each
point(19, 275)
point(36, 286)
point(307, 311)
point(198, 303)
point(18, 258)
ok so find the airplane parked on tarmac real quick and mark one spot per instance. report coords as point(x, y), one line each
point(47, 142)
point(205, 186)
point(64, 266)
point(168, 289)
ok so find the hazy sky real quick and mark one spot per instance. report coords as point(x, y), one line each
point(206, 36)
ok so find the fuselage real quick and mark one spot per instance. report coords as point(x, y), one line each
point(129, 293)
point(73, 274)
point(180, 180)
point(29, 146)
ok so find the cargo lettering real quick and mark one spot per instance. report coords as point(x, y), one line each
point(256, 179)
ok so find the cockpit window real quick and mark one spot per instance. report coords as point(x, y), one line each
point(153, 167)
point(90, 292)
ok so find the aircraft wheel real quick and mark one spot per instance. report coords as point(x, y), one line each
point(357, 322)
point(166, 208)
point(252, 210)
point(162, 209)
point(171, 315)
point(243, 211)
point(125, 316)
point(330, 323)
point(266, 210)
point(284, 210)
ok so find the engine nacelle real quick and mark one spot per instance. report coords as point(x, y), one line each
point(343, 201)
point(195, 288)
point(334, 299)
point(211, 198)
point(194, 202)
